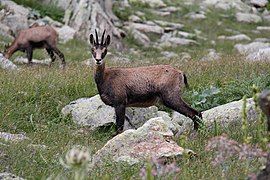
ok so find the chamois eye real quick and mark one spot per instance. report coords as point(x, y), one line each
point(104, 53)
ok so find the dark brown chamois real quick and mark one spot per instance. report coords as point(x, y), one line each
point(33, 38)
point(138, 87)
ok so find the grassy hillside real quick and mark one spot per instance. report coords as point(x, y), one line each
point(31, 101)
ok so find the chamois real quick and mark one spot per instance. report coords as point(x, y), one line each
point(33, 38)
point(139, 86)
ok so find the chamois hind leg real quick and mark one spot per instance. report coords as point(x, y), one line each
point(120, 118)
point(51, 54)
point(174, 101)
point(61, 56)
point(29, 53)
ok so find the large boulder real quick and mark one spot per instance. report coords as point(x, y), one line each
point(248, 18)
point(65, 33)
point(259, 3)
point(94, 113)
point(212, 55)
point(5, 31)
point(260, 55)
point(230, 113)
point(238, 37)
point(16, 17)
point(168, 40)
point(151, 3)
point(223, 115)
point(152, 140)
point(9, 176)
point(22, 60)
point(147, 28)
point(84, 16)
point(226, 5)
point(12, 137)
point(7, 64)
point(251, 47)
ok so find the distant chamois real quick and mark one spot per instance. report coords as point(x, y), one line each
point(36, 37)
point(139, 86)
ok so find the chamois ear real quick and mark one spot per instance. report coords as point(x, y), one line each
point(92, 41)
point(108, 41)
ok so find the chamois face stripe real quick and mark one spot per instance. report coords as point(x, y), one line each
point(99, 50)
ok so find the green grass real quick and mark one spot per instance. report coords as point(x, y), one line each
point(32, 99)
point(50, 10)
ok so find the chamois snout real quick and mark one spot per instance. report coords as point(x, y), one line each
point(99, 50)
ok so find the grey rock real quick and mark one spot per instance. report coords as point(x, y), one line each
point(266, 18)
point(174, 26)
point(167, 40)
point(140, 37)
point(87, 15)
point(262, 40)
point(259, 3)
point(248, 18)
point(230, 113)
point(140, 14)
point(12, 137)
point(168, 54)
point(50, 21)
point(5, 31)
point(7, 64)
point(161, 13)
point(239, 37)
point(260, 55)
point(9, 176)
point(186, 34)
point(23, 60)
point(251, 47)
point(185, 57)
point(227, 5)
point(16, 17)
point(196, 15)
point(171, 9)
point(147, 28)
point(65, 33)
point(90, 112)
point(151, 3)
point(135, 18)
point(212, 55)
point(223, 115)
point(152, 140)
point(263, 28)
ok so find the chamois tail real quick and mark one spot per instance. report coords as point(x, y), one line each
point(185, 81)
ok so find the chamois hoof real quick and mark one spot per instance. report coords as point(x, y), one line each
point(117, 133)
point(63, 66)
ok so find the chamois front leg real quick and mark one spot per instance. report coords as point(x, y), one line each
point(29, 52)
point(120, 118)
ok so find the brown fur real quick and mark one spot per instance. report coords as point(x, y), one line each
point(140, 87)
point(33, 38)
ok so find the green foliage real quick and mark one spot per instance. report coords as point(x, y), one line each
point(50, 10)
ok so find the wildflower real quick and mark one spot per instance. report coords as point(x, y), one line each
point(226, 148)
point(76, 157)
